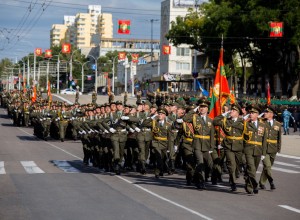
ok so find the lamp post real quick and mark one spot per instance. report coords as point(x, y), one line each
point(113, 75)
point(96, 73)
point(71, 68)
point(82, 73)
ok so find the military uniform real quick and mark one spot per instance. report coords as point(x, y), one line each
point(203, 143)
point(255, 142)
point(232, 142)
point(273, 147)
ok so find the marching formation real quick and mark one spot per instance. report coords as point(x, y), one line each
point(163, 133)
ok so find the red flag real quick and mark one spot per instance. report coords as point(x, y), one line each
point(135, 57)
point(24, 85)
point(49, 92)
point(33, 98)
point(220, 90)
point(38, 51)
point(121, 55)
point(48, 53)
point(276, 29)
point(66, 48)
point(124, 27)
point(268, 94)
point(166, 49)
point(232, 95)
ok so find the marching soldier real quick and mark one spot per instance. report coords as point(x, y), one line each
point(203, 142)
point(255, 142)
point(273, 146)
point(233, 142)
point(64, 117)
point(94, 97)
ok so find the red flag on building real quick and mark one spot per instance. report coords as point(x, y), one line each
point(276, 29)
point(166, 49)
point(49, 92)
point(38, 51)
point(48, 53)
point(121, 56)
point(33, 97)
point(66, 48)
point(135, 58)
point(124, 27)
point(268, 94)
point(221, 89)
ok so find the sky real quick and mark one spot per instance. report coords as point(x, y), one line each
point(26, 24)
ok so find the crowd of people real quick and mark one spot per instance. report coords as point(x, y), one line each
point(162, 133)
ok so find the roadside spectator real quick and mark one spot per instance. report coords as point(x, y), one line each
point(286, 115)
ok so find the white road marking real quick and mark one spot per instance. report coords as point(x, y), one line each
point(287, 164)
point(288, 156)
point(165, 199)
point(290, 208)
point(2, 169)
point(282, 169)
point(31, 167)
point(65, 166)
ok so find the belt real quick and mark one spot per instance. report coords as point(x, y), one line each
point(146, 129)
point(272, 141)
point(202, 136)
point(121, 130)
point(160, 138)
point(234, 138)
point(188, 139)
point(254, 143)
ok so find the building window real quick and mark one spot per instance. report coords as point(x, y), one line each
point(182, 66)
point(182, 51)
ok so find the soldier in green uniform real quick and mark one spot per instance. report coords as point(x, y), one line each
point(64, 117)
point(255, 142)
point(273, 146)
point(203, 142)
point(233, 128)
point(25, 113)
point(94, 97)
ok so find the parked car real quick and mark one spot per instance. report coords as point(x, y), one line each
point(69, 91)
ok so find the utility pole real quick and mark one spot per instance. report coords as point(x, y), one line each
point(152, 20)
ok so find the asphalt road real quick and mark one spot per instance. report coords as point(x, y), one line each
point(46, 180)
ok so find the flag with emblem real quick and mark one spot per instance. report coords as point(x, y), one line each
point(166, 49)
point(33, 97)
point(48, 53)
point(121, 56)
point(49, 92)
point(38, 51)
point(135, 57)
point(276, 29)
point(66, 48)
point(124, 27)
point(232, 95)
point(220, 91)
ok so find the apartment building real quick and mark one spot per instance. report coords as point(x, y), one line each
point(83, 30)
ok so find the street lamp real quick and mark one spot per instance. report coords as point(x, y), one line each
point(96, 73)
point(71, 68)
point(82, 73)
point(113, 75)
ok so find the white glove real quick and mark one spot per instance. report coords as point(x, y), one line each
point(106, 131)
point(262, 157)
point(153, 117)
point(196, 109)
point(226, 113)
point(131, 130)
point(210, 151)
point(137, 129)
point(219, 147)
point(179, 120)
point(261, 115)
point(96, 131)
point(125, 118)
point(246, 117)
point(175, 148)
point(41, 119)
point(112, 130)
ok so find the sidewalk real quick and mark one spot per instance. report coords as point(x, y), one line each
point(290, 143)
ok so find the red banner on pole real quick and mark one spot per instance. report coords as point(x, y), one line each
point(124, 27)
point(166, 50)
point(121, 56)
point(66, 48)
point(38, 51)
point(135, 57)
point(48, 53)
point(276, 29)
